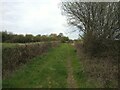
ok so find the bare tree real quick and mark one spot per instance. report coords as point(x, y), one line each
point(100, 19)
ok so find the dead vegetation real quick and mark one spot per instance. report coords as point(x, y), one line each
point(100, 70)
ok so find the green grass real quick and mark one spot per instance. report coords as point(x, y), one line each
point(9, 45)
point(49, 71)
point(78, 70)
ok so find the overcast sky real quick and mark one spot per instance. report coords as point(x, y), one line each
point(34, 17)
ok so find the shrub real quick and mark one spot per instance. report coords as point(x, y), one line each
point(102, 69)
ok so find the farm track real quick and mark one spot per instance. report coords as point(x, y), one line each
point(55, 69)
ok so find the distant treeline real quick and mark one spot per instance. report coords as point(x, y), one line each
point(15, 38)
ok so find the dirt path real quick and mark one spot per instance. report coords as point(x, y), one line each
point(70, 79)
